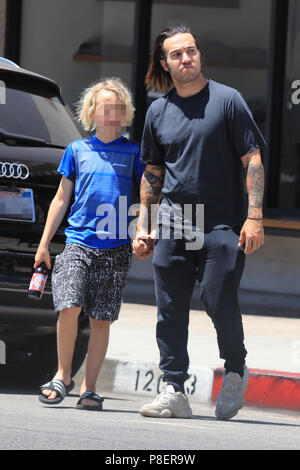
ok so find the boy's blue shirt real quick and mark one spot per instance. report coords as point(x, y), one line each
point(101, 173)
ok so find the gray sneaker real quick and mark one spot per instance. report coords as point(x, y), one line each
point(231, 397)
point(168, 404)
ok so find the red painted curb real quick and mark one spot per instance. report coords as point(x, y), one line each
point(267, 388)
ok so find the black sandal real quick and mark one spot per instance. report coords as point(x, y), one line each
point(57, 386)
point(90, 396)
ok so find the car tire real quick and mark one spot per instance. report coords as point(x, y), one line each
point(34, 362)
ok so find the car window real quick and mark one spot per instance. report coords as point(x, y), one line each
point(32, 108)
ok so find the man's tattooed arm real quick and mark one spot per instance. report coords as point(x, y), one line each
point(252, 232)
point(151, 186)
point(254, 183)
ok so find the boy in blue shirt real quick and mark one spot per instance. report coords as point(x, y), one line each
point(91, 272)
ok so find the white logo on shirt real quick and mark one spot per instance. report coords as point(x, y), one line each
point(118, 164)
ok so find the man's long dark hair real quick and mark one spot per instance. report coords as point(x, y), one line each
point(157, 77)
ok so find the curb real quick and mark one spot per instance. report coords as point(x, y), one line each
point(266, 389)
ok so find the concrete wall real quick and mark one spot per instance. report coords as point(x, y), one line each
point(270, 283)
point(273, 268)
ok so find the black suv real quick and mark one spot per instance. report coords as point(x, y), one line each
point(35, 127)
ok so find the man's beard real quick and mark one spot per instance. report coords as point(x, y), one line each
point(181, 78)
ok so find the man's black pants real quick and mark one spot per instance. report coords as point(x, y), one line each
point(218, 267)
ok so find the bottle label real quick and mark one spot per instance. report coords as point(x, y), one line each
point(38, 282)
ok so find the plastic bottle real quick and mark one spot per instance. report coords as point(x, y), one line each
point(38, 282)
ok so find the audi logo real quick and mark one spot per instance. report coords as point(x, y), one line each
point(14, 170)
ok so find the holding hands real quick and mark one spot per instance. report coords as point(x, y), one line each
point(143, 245)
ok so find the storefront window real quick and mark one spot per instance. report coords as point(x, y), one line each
point(112, 46)
point(289, 190)
point(234, 39)
point(78, 42)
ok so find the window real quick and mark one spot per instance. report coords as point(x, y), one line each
point(235, 53)
point(30, 108)
point(289, 184)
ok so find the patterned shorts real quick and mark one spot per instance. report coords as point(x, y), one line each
point(91, 278)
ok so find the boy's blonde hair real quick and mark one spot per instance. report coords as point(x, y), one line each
point(86, 105)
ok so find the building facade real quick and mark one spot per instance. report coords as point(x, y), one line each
point(250, 45)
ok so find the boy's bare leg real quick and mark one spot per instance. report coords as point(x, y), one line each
point(67, 329)
point(99, 336)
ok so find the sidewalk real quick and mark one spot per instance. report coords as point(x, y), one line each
point(273, 346)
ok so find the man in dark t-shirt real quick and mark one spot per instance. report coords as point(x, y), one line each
point(199, 139)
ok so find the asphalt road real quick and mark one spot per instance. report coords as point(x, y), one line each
point(28, 425)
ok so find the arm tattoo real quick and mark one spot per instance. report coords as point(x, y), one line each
point(151, 185)
point(255, 188)
point(155, 183)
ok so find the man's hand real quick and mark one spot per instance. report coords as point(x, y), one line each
point(252, 235)
point(143, 245)
point(151, 185)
